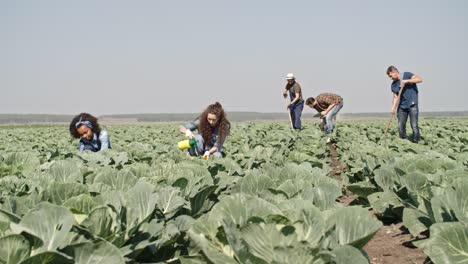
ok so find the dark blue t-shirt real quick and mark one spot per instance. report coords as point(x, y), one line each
point(409, 97)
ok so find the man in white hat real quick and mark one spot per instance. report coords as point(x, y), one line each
point(297, 103)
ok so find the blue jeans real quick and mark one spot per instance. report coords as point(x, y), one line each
point(328, 119)
point(199, 149)
point(413, 113)
point(296, 111)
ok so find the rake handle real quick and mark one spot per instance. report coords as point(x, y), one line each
point(393, 114)
point(289, 112)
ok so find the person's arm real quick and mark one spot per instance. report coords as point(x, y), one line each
point(212, 150)
point(324, 113)
point(209, 152)
point(217, 147)
point(104, 138)
point(414, 79)
point(188, 128)
point(298, 96)
point(395, 103)
point(285, 92)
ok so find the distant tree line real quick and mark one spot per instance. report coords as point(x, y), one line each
point(33, 118)
point(233, 116)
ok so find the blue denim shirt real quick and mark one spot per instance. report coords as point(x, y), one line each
point(409, 97)
point(99, 142)
point(214, 137)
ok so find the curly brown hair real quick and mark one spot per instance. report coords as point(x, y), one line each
point(84, 117)
point(222, 124)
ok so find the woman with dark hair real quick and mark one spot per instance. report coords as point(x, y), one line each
point(85, 127)
point(213, 128)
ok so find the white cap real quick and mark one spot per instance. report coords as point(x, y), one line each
point(290, 76)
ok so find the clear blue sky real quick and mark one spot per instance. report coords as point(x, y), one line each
point(109, 57)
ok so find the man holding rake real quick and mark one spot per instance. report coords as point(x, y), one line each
point(405, 100)
point(296, 104)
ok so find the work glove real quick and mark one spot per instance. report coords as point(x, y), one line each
point(188, 133)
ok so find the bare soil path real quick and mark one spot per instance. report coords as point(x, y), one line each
point(393, 243)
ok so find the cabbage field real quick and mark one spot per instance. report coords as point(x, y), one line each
point(273, 199)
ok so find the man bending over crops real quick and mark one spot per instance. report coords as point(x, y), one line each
point(406, 102)
point(296, 105)
point(328, 105)
point(213, 128)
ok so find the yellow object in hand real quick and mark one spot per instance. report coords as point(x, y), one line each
point(186, 144)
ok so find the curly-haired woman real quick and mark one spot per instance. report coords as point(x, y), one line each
point(213, 128)
point(85, 127)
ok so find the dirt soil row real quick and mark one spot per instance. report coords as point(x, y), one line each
point(393, 243)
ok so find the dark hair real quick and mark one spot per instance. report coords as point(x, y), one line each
point(223, 124)
point(310, 101)
point(391, 69)
point(84, 117)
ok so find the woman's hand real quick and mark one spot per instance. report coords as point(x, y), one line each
point(323, 113)
point(188, 133)
point(206, 155)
